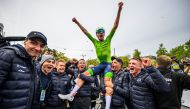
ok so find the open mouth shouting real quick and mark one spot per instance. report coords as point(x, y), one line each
point(131, 70)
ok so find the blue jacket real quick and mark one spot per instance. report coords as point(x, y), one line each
point(60, 84)
point(17, 76)
point(85, 90)
point(142, 88)
point(42, 83)
point(121, 88)
point(177, 82)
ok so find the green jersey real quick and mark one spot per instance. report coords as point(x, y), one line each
point(103, 48)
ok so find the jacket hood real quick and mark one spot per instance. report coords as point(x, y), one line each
point(21, 51)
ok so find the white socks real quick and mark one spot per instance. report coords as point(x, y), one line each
point(108, 102)
point(75, 89)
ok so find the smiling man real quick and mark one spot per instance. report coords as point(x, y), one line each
point(44, 70)
point(120, 85)
point(143, 86)
point(60, 83)
point(47, 64)
point(17, 72)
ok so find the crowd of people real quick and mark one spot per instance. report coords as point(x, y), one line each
point(30, 79)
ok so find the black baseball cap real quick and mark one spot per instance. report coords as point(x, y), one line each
point(39, 35)
point(117, 59)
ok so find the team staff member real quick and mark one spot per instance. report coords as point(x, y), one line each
point(177, 82)
point(17, 72)
point(121, 84)
point(60, 83)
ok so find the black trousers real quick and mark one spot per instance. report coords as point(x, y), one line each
point(117, 107)
point(62, 106)
point(56, 107)
point(81, 103)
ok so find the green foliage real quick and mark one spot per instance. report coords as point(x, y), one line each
point(178, 51)
point(136, 53)
point(125, 60)
point(181, 50)
point(60, 55)
point(92, 62)
point(187, 48)
point(57, 55)
point(161, 50)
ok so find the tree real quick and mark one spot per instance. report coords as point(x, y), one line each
point(92, 62)
point(136, 53)
point(125, 60)
point(161, 50)
point(187, 48)
point(181, 50)
point(178, 51)
point(57, 55)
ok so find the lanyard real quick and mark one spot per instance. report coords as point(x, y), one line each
point(43, 91)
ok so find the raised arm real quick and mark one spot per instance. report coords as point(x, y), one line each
point(116, 23)
point(83, 30)
point(80, 26)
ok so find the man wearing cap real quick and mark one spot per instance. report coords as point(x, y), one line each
point(120, 84)
point(44, 69)
point(103, 52)
point(17, 72)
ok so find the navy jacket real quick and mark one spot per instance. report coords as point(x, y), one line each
point(42, 83)
point(177, 82)
point(17, 76)
point(121, 89)
point(85, 90)
point(60, 84)
point(142, 88)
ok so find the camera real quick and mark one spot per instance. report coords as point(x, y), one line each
point(5, 41)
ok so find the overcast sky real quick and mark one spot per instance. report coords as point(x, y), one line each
point(144, 24)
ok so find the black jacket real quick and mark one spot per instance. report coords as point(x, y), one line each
point(85, 90)
point(60, 84)
point(142, 88)
point(42, 83)
point(121, 88)
point(177, 82)
point(17, 76)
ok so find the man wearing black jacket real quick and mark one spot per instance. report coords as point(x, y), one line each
point(176, 81)
point(60, 83)
point(44, 70)
point(17, 72)
point(82, 98)
point(121, 85)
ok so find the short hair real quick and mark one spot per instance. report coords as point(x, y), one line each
point(137, 59)
point(145, 57)
point(60, 60)
point(164, 61)
point(74, 59)
point(80, 60)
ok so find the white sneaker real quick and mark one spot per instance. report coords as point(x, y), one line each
point(66, 97)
